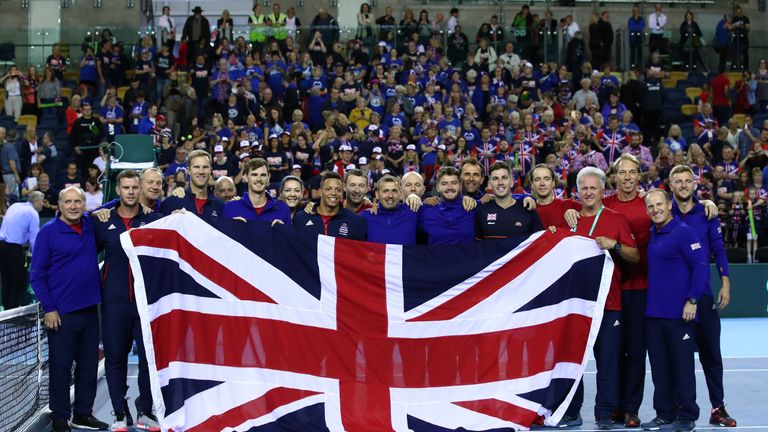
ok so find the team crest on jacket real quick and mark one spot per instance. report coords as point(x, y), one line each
point(344, 229)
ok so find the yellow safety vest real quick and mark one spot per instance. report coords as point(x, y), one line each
point(258, 34)
point(278, 26)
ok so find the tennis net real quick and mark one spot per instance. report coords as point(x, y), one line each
point(23, 367)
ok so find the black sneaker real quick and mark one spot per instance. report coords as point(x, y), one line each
point(604, 424)
point(61, 426)
point(88, 422)
point(684, 426)
point(658, 424)
point(721, 417)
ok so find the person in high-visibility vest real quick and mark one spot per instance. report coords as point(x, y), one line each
point(258, 23)
point(277, 21)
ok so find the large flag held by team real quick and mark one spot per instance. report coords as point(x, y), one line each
point(253, 328)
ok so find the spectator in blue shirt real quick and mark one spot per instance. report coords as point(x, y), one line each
point(65, 278)
point(635, 26)
point(708, 231)
point(20, 226)
point(256, 204)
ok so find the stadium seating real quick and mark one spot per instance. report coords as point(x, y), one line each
point(736, 255)
point(27, 119)
point(66, 92)
point(693, 93)
point(761, 255)
point(689, 109)
point(121, 92)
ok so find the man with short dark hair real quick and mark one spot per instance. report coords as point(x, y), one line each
point(448, 222)
point(120, 317)
point(504, 216)
point(330, 218)
point(65, 277)
point(551, 210)
point(355, 190)
point(394, 222)
point(256, 204)
point(677, 272)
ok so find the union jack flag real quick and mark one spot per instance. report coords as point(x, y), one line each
point(250, 328)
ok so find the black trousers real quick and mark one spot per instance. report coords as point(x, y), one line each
point(670, 351)
point(708, 342)
point(13, 273)
point(120, 327)
point(633, 355)
point(76, 341)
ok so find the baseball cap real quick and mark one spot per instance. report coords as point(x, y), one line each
point(345, 147)
point(244, 155)
point(362, 161)
point(245, 143)
point(371, 128)
point(441, 147)
point(218, 149)
point(350, 167)
point(225, 138)
point(385, 171)
point(272, 136)
point(296, 166)
point(378, 157)
point(411, 147)
point(285, 132)
point(513, 98)
point(377, 149)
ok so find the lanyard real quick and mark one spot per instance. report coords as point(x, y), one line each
point(594, 224)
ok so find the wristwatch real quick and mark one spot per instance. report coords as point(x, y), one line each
point(693, 300)
point(617, 246)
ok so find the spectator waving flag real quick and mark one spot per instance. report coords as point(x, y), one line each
point(253, 328)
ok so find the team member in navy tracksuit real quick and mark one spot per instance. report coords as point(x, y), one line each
point(448, 222)
point(65, 278)
point(120, 318)
point(677, 270)
point(330, 218)
point(708, 324)
point(197, 199)
point(393, 222)
point(611, 232)
point(256, 203)
point(504, 216)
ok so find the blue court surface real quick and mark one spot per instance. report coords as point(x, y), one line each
point(745, 357)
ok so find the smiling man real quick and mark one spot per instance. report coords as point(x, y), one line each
point(257, 204)
point(65, 278)
point(330, 218)
point(356, 188)
point(448, 222)
point(693, 213)
point(611, 232)
point(394, 222)
point(120, 317)
point(677, 273)
point(198, 198)
point(504, 216)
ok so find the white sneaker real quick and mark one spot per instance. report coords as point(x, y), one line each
point(119, 425)
point(147, 422)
